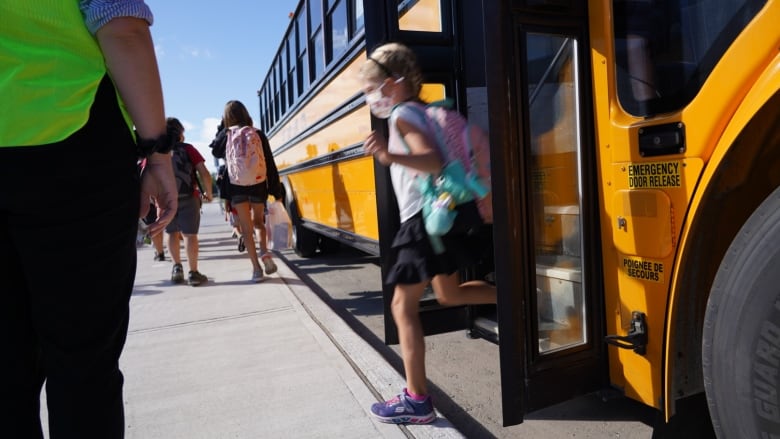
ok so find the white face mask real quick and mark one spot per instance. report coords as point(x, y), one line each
point(381, 106)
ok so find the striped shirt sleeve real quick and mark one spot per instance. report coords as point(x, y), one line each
point(99, 12)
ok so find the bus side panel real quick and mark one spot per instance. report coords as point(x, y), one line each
point(347, 131)
point(331, 182)
point(644, 214)
point(743, 170)
point(338, 195)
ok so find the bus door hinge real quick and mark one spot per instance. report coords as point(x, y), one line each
point(637, 335)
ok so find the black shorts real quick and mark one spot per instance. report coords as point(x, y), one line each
point(255, 194)
point(415, 260)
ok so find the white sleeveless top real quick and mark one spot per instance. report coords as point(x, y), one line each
point(410, 200)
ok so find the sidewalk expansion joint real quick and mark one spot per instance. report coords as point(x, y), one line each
point(211, 320)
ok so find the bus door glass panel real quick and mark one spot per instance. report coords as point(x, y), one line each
point(420, 15)
point(556, 193)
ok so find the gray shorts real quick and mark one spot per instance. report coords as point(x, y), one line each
point(187, 219)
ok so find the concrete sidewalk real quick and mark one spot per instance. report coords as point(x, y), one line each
point(233, 359)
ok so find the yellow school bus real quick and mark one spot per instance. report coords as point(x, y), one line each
point(635, 148)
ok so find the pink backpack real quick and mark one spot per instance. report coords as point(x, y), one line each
point(244, 156)
point(461, 141)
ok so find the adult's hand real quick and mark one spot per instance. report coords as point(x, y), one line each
point(158, 182)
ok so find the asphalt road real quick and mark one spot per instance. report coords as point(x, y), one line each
point(464, 372)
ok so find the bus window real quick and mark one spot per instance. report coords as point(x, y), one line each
point(420, 15)
point(665, 50)
point(315, 14)
point(359, 19)
point(318, 54)
point(290, 72)
point(302, 57)
point(555, 151)
point(339, 35)
point(282, 87)
point(317, 43)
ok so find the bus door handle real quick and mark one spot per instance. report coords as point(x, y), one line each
point(637, 335)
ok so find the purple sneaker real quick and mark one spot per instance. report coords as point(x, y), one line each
point(403, 409)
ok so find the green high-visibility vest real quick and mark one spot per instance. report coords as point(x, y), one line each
point(50, 69)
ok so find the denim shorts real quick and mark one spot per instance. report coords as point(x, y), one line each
point(255, 194)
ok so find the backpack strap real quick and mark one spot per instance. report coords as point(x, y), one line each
point(420, 111)
point(425, 182)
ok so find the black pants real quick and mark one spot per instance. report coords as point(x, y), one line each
point(68, 221)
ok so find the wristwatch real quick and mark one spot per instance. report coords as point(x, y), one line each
point(147, 147)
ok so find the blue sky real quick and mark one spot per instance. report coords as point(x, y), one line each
point(211, 52)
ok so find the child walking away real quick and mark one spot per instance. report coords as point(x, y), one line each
point(248, 188)
point(391, 82)
point(188, 167)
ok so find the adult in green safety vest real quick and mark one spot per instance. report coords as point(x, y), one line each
point(77, 78)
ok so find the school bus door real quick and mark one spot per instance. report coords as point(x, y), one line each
point(550, 301)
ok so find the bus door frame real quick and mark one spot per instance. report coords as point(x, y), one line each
point(530, 381)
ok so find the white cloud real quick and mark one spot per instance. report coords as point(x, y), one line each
point(195, 52)
point(200, 136)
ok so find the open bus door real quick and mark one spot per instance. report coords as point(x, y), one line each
point(544, 170)
point(530, 73)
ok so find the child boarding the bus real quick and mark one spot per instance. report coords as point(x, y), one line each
point(391, 81)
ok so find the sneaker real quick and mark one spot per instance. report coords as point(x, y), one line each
point(159, 256)
point(403, 409)
point(196, 278)
point(257, 276)
point(241, 246)
point(177, 274)
point(268, 263)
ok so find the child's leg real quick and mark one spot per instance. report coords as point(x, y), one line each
point(174, 246)
point(258, 219)
point(157, 242)
point(450, 292)
point(264, 234)
point(406, 313)
point(245, 221)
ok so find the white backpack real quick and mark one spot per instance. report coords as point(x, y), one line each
point(244, 156)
